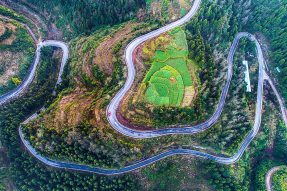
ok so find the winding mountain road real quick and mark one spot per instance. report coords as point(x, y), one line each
point(115, 103)
point(172, 152)
point(28, 80)
point(113, 106)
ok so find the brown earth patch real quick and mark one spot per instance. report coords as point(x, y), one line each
point(172, 79)
point(9, 62)
point(129, 124)
point(104, 52)
point(2, 28)
point(10, 26)
point(189, 95)
point(70, 111)
point(184, 4)
point(99, 119)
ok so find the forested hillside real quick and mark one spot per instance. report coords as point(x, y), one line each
point(270, 19)
point(74, 16)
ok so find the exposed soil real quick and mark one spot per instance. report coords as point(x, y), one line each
point(70, 110)
point(184, 4)
point(189, 95)
point(129, 124)
point(3, 27)
point(54, 32)
point(156, 9)
point(9, 61)
point(104, 52)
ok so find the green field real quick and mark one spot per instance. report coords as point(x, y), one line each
point(168, 75)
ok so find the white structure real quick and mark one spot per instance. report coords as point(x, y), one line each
point(247, 77)
point(278, 70)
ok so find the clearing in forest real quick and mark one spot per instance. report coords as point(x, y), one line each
point(168, 81)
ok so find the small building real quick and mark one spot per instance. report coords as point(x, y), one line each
point(278, 70)
point(247, 76)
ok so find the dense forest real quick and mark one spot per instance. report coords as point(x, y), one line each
point(269, 18)
point(280, 147)
point(84, 16)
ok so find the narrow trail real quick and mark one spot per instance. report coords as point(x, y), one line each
point(30, 15)
point(111, 110)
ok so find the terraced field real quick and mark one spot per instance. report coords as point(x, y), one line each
point(168, 81)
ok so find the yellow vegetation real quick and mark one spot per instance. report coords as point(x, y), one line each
point(151, 46)
point(16, 80)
